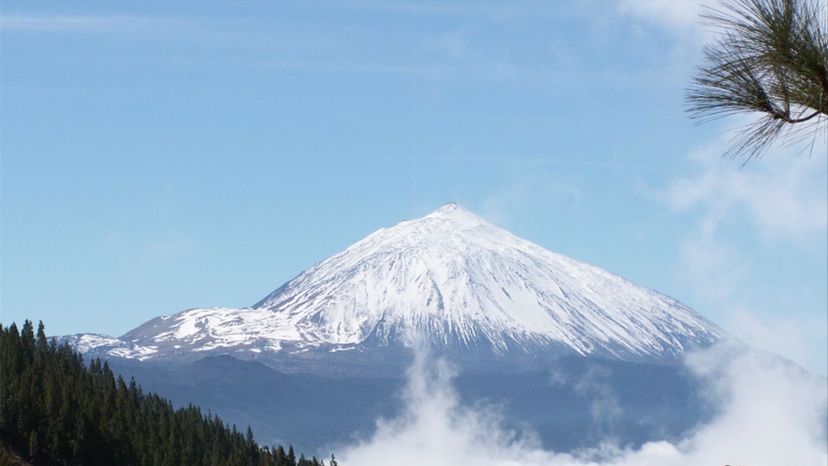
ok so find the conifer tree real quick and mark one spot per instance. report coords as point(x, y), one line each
point(54, 410)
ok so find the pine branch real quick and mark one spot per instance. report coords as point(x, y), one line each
point(771, 59)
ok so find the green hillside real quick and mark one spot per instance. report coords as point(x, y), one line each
point(56, 410)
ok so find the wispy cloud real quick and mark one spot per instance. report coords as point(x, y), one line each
point(784, 193)
point(169, 245)
point(530, 185)
point(81, 23)
point(791, 335)
point(679, 20)
point(665, 13)
point(777, 200)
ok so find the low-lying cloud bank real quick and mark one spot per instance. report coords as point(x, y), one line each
point(771, 413)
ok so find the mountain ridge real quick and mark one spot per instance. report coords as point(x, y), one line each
point(450, 278)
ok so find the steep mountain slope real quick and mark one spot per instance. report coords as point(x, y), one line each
point(449, 279)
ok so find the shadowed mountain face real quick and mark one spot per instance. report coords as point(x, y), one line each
point(553, 341)
point(575, 403)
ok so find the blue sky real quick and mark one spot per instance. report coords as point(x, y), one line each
point(160, 156)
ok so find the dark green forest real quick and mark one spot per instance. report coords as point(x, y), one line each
point(56, 410)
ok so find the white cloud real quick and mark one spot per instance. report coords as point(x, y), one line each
point(793, 336)
point(604, 409)
point(713, 269)
point(784, 193)
point(770, 414)
point(668, 14)
point(781, 198)
point(680, 20)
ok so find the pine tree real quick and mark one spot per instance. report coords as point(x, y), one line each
point(58, 411)
point(34, 446)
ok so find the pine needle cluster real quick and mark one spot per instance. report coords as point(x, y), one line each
point(771, 59)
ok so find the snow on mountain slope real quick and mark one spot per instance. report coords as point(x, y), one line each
point(449, 278)
point(105, 345)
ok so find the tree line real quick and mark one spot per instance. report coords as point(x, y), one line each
point(56, 410)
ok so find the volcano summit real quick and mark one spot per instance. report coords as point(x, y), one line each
point(451, 280)
point(323, 356)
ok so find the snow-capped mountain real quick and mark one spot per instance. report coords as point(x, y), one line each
point(449, 279)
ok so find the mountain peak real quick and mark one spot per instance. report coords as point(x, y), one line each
point(448, 208)
point(456, 214)
point(455, 281)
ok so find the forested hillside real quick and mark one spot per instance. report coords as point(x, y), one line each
point(56, 410)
